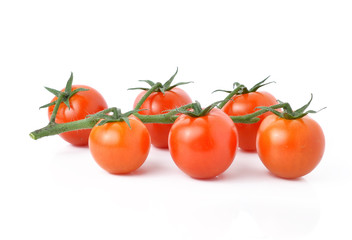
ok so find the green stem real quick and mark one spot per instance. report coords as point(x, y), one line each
point(56, 108)
point(88, 123)
point(146, 95)
point(228, 97)
point(167, 118)
point(161, 118)
point(253, 117)
point(54, 128)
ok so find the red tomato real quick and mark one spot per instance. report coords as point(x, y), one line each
point(245, 104)
point(82, 104)
point(119, 149)
point(157, 103)
point(203, 147)
point(290, 148)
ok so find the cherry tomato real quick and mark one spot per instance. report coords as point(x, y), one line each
point(118, 148)
point(290, 148)
point(157, 103)
point(203, 147)
point(82, 104)
point(245, 104)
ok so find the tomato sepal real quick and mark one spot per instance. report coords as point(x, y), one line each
point(197, 110)
point(65, 95)
point(161, 87)
point(116, 116)
point(288, 113)
point(240, 89)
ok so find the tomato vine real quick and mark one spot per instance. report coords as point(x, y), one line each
point(166, 118)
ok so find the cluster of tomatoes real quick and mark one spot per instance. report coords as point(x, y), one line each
point(203, 144)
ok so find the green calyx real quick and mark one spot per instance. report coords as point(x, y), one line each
point(239, 88)
point(65, 95)
point(116, 116)
point(196, 109)
point(159, 87)
point(289, 114)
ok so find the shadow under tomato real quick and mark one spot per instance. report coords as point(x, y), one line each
point(299, 179)
point(79, 146)
point(249, 167)
point(220, 178)
point(146, 168)
point(130, 174)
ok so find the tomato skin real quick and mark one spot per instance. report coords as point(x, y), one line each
point(290, 148)
point(157, 103)
point(82, 104)
point(245, 104)
point(203, 147)
point(119, 149)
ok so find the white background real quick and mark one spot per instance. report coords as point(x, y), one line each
point(52, 190)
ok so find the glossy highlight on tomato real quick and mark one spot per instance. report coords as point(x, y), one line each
point(158, 103)
point(244, 104)
point(118, 148)
point(203, 147)
point(82, 104)
point(290, 148)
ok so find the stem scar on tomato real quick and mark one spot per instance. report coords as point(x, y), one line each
point(289, 114)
